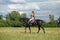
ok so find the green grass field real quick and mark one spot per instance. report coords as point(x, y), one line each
point(11, 33)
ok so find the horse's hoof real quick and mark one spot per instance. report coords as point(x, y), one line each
point(44, 32)
point(37, 32)
point(25, 31)
point(30, 32)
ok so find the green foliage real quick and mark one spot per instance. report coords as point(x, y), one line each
point(1, 17)
point(50, 25)
point(11, 33)
point(59, 20)
point(3, 23)
point(9, 23)
point(51, 19)
point(12, 20)
point(58, 25)
point(23, 15)
point(14, 15)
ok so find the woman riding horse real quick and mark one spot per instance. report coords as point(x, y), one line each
point(33, 21)
point(32, 18)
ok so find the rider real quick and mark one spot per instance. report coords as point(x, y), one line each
point(32, 17)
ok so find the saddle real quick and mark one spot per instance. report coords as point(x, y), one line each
point(33, 21)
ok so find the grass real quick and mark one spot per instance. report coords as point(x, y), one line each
point(11, 33)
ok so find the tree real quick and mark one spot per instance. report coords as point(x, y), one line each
point(23, 15)
point(1, 17)
point(14, 15)
point(59, 20)
point(51, 18)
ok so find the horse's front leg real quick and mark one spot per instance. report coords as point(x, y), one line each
point(26, 27)
point(29, 29)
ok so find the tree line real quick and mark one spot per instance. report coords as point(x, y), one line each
point(12, 19)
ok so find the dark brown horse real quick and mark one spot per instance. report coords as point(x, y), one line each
point(37, 22)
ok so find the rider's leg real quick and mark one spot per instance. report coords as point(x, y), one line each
point(30, 20)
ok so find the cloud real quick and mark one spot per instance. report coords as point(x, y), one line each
point(12, 6)
point(54, 5)
point(1, 1)
point(32, 6)
point(53, 0)
point(46, 7)
point(34, 0)
point(49, 0)
point(27, 6)
point(17, 1)
point(4, 9)
point(21, 12)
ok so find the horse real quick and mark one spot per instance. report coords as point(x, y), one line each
point(37, 22)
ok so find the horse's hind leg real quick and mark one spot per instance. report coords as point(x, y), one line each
point(38, 29)
point(25, 29)
point(43, 29)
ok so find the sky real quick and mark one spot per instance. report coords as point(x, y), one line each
point(42, 8)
